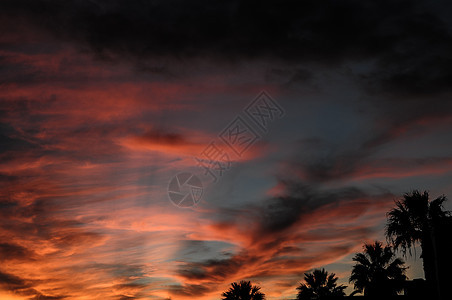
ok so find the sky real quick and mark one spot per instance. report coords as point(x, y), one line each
point(319, 114)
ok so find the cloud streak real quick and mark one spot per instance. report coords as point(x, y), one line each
point(102, 103)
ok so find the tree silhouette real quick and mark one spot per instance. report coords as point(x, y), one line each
point(243, 291)
point(413, 221)
point(377, 271)
point(319, 284)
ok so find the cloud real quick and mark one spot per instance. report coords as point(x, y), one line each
point(283, 212)
point(89, 142)
point(284, 236)
point(399, 34)
point(189, 290)
point(318, 160)
point(168, 142)
point(23, 287)
point(10, 251)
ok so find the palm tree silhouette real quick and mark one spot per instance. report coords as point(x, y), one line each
point(413, 221)
point(319, 284)
point(243, 291)
point(377, 271)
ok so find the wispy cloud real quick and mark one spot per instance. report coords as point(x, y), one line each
point(102, 103)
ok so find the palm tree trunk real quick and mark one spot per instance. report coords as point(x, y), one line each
point(429, 264)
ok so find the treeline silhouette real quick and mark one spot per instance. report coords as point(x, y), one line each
point(378, 273)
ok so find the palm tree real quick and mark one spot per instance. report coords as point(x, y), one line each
point(377, 271)
point(243, 291)
point(413, 221)
point(319, 284)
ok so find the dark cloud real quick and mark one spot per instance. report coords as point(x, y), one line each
point(215, 269)
point(318, 160)
point(9, 251)
point(404, 117)
point(409, 40)
point(281, 226)
point(128, 286)
point(281, 213)
point(162, 137)
point(11, 140)
point(16, 72)
point(191, 290)
point(13, 282)
point(43, 297)
point(23, 287)
point(122, 297)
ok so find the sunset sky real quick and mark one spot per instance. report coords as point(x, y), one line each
point(102, 103)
